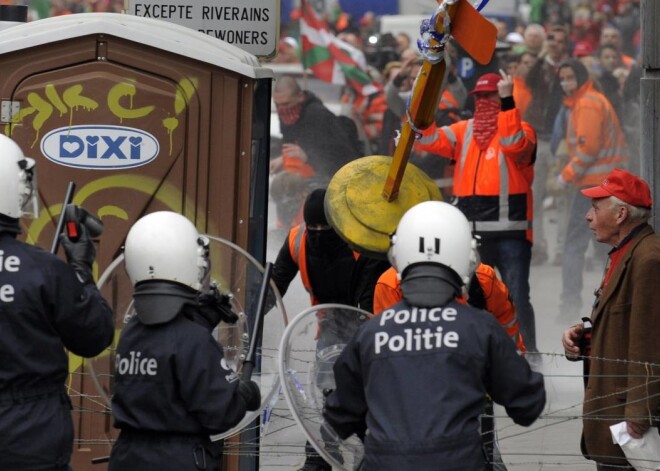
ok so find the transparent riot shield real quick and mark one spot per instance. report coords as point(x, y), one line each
point(310, 346)
point(236, 273)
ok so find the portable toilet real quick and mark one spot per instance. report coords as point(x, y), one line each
point(143, 115)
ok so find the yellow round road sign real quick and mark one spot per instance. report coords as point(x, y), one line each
point(357, 210)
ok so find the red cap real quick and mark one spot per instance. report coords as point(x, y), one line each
point(487, 83)
point(625, 186)
point(581, 49)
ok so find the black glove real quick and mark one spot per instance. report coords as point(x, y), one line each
point(216, 307)
point(80, 254)
point(249, 391)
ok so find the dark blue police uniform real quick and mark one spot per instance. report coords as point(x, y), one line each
point(44, 309)
point(172, 390)
point(413, 380)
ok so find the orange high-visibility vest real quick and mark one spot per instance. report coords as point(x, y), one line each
point(522, 95)
point(493, 186)
point(298, 251)
point(496, 295)
point(594, 138)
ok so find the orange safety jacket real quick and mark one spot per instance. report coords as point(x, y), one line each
point(493, 187)
point(594, 139)
point(495, 299)
point(449, 102)
point(522, 95)
point(370, 111)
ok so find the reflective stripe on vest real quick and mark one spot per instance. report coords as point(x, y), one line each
point(610, 155)
point(503, 223)
point(298, 249)
point(467, 138)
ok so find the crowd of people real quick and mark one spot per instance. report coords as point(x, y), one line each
point(543, 125)
point(582, 130)
point(543, 121)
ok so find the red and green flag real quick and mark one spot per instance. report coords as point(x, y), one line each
point(331, 59)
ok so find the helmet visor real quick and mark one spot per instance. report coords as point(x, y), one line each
point(204, 260)
point(27, 188)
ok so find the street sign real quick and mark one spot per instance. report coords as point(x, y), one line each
point(252, 25)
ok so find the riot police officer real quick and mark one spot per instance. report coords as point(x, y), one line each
point(46, 306)
point(173, 388)
point(411, 382)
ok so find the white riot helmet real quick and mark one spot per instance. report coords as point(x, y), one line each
point(166, 246)
point(434, 232)
point(16, 180)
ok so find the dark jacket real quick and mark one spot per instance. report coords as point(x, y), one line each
point(418, 387)
point(546, 98)
point(172, 390)
point(325, 269)
point(626, 323)
point(319, 133)
point(44, 309)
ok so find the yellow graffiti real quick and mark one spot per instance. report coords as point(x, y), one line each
point(74, 100)
point(166, 193)
point(44, 110)
point(184, 93)
point(115, 211)
point(53, 96)
point(170, 124)
point(18, 118)
point(119, 91)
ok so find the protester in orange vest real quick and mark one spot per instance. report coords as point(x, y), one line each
point(486, 291)
point(596, 145)
point(494, 155)
point(325, 263)
point(314, 249)
point(368, 112)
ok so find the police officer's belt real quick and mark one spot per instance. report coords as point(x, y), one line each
point(29, 394)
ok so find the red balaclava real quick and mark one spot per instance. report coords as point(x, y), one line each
point(486, 111)
point(289, 114)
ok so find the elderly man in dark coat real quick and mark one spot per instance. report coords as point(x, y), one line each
point(622, 355)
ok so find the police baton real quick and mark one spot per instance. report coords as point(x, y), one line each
point(71, 187)
point(249, 363)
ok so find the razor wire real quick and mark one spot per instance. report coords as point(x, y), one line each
point(279, 437)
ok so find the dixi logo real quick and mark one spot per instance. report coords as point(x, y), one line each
point(100, 147)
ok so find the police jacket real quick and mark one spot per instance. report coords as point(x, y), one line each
point(44, 311)
point(436, 365)
point(492, 187)
point(172, 378)
point(486, 292)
